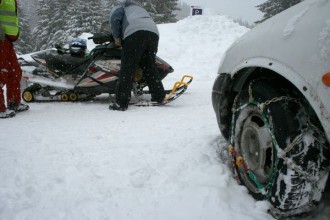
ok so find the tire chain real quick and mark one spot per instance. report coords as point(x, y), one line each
point(282, 153)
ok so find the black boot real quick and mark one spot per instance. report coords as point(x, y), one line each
point(7, 114)
point(158, 100)
point(116, 107)
point(18, 107)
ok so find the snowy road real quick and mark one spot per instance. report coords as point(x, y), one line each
point(80, 161)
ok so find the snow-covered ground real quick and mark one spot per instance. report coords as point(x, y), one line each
point(80, 161)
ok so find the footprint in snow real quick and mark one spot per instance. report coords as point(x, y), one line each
point(141, 176)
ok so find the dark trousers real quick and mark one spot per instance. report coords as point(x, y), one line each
point(139, 49)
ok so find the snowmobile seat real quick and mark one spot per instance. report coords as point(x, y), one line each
point(64, 62)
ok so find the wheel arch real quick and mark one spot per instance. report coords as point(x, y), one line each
point(277, 73)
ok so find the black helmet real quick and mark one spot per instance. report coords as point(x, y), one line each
point(78, 47)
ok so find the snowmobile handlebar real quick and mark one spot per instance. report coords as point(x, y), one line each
point(102, 37)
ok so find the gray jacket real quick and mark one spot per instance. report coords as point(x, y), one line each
point(128, 18)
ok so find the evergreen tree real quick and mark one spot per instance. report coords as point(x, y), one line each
point(43, 29)
point(162, 11)
point(273, 7)
point(57, 21)
point(106, 8)
point(63, 19)
point(23, 44)
point(83, 16)
point(183, 11)
point(57, 24)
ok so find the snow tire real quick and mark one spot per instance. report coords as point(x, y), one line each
point(291, 178)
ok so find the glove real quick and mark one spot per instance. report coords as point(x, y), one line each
point(2, 34)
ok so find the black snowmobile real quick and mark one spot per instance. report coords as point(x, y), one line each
point(67, 73)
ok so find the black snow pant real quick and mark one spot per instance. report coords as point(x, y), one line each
point(139, 49)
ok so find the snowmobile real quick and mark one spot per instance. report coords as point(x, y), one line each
point(67, 73)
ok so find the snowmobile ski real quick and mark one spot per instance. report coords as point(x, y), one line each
point(178, 89)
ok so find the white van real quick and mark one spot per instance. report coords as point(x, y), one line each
point(272, 102)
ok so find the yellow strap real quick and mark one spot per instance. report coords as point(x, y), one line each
point(175, 87)
point(178, 84)
point(186, 76)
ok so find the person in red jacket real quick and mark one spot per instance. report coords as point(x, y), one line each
point(10, 70)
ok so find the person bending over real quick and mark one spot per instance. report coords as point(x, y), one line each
point(134, 29)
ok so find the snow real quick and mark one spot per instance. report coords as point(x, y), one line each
point(290, 27)
point(81, 161)
point(324, 42)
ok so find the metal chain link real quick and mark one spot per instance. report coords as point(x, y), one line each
point(277, 99)
point(250, 91)
point(263, 104)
